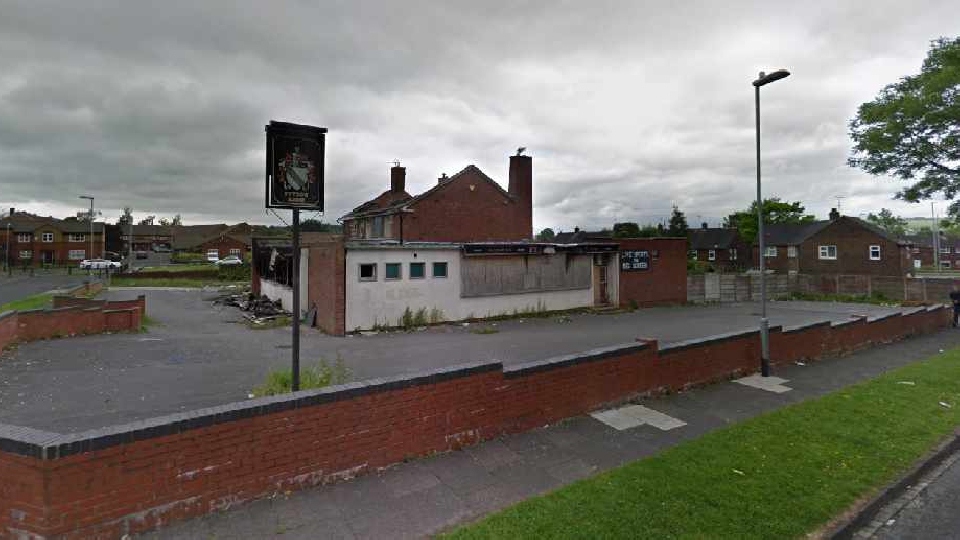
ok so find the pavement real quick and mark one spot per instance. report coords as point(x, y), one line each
point(426, 496)
point(21, 285)
point(199, 355)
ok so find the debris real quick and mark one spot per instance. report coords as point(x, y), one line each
point(250, 395)
point(941, 350)
point(739, 472)
point(890, 522)
point(945, 405)
point(465, 324)
point(799, 363)
point(908, 383)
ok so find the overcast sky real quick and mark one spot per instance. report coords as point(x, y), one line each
point(627, 107)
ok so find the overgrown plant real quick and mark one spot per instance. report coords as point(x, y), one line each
point(318, 376)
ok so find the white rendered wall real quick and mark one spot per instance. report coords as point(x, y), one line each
point(275, 291)
point(384, 302)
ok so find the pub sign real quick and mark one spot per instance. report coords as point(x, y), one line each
point(294, 166)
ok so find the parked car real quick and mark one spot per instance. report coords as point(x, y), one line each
point(98, 264)
point(229, 260)
point(161, 249)
point(142, 254)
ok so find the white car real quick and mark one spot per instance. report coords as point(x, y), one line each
point(98, 264)
point(229, 260)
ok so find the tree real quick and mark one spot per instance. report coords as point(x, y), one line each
point(147, 220)
point(176, 221)
point(126, 217)
point(894, 225)
point(911, 129)
point(627, 229)
point(164, 222)
point(546, 235)
point(651, 231)
point(774, 211)
point(678, 223)
point(316, 225)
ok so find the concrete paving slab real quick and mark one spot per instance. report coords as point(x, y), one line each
point(770, 384)
point(617, 419)
point(657, 419)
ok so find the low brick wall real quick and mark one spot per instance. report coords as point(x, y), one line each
point(72, 316)
point(135, 477)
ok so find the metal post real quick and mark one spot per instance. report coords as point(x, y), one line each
point(296, 300)
point(91, 228)
point(764, 323)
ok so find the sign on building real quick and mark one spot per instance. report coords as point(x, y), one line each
point(294, 166)
point(635, 260)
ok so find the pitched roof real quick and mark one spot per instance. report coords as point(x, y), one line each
point(781, 234)
point(384, 204)
point(22, 222)
point(712, 238)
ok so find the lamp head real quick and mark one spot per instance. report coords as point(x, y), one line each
point(767, 78)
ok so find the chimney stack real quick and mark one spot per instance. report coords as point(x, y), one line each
point(12, 209)
point(521, 187)
point(834, 215)
point(398, 178)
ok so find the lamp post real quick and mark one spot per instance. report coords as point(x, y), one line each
point(6, 253)
point(764, 78)
point(90, 218)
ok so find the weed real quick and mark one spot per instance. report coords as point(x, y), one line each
point(318, 376)
point(279, 322)
point(436, 316)
point(486, 330)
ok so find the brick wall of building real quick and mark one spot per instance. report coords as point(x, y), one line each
point(468, 209)
point(223, 245)
point(666, 280)
point(325, 283)
point(853, 241)
point(132, 478)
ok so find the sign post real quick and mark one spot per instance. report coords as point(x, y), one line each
point(294, 180)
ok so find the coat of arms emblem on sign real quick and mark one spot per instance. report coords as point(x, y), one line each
point(297, 172)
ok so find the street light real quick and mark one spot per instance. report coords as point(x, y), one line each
point(90, 217)
point(764, 78)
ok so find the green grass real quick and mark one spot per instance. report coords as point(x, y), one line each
point(168, 282)
point(317, 376)
point(485, 330)
point(36, 301)
point(209, 267)
point(780, 475)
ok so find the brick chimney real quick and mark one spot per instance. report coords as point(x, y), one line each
point(398, 179)
point(521, 187)
point(12, 209)
point(834, 215)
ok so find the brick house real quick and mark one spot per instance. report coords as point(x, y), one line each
point(207, 239)
point(146, 237)
point(840, 245)
point(466, 207)
point(719, 247)
point(28, 239)
point(922, 251)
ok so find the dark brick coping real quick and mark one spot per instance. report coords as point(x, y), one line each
point(556, 362)
point(802, 327)
point(678, 346)
point(5, 314)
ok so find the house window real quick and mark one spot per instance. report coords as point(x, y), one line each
point(956, 249)
point(692, 254)
point(915, 250)
point(377, 228)
point(26, 254)
point(792, 251)
point(733, 254)
point(945, 264)
point(917, 263)
point(76, 254)
point(874, 253)
point(711, 255)
point(368, 272)
point(74, 237)
point(24, 237)
point(392, 271)
point(439, 269)
point(235, 251)
point(46, 237)
point(828, 253)
point(945, 250)
point(770, 251)
point(418, 270)
point(956, 263)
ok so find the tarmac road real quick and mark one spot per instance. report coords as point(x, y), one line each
point(21, 285)
point(200, 355)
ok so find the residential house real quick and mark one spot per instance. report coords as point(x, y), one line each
point(28, 239)
point(721, 248)
point(147, 237)
point(466, 207)
point(840, 245)
point(922, 251)
point(219, 239)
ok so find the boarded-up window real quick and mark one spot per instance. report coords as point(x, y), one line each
point(488, 276)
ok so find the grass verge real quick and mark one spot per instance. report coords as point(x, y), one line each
point(170, 282)
point(208, 267)
point(876, 299)
point(317, 376)
point(37, 301)
point(279, 322)
point(780, 475)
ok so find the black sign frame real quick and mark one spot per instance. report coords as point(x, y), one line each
point(295, 168)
